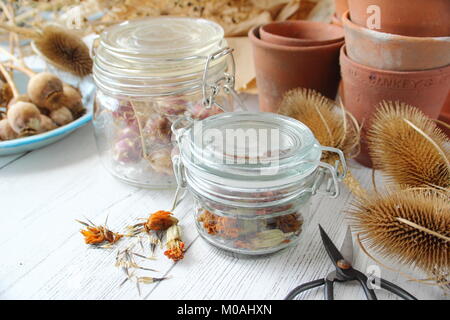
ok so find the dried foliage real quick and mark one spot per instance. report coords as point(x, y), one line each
point(408, 147)
point(410, 226)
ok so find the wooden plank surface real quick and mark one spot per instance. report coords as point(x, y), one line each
point(42, 254)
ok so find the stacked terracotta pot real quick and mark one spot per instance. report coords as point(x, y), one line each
point(294, 54)
point(395, 50)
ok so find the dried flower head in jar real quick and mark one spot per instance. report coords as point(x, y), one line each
point(157, 130)
point(173, 107)
point(289, 222)
point(161, 161)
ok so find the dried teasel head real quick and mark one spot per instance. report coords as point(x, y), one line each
point(65, 49)
point(330, 125)
point(410, 226)
point(408, 147)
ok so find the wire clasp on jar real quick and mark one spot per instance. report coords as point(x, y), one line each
point(226, 82)
point(333, 174)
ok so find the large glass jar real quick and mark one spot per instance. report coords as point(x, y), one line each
point(149, 73)
point(252, 176)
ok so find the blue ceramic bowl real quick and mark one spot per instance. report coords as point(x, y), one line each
point(20, 145)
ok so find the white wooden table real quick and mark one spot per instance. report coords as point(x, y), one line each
point(43, 255)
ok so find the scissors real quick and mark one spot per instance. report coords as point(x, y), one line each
point(344, 272)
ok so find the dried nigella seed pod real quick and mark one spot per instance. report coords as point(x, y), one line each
point(6, 132)
point(128, 133)
point(24, 117)
point(127, 150)
point(46, 90)
point(158, 130)
point(161, 161)
point(61, 116)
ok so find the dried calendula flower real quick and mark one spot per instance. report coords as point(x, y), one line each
point(175, 247)
point(97, 235)
point(289, 223)
point(160, 220)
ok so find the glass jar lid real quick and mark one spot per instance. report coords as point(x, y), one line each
point(243, 148)
point(159, 55)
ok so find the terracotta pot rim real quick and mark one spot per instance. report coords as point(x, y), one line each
point(440, 70)
point(384, 35)
point(326, 28)
point(263, 44)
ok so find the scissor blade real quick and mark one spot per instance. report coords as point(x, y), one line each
point(347, 246)
point(332, 251)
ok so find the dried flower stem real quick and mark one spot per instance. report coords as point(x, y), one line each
point(9, 80)
point(414, 225)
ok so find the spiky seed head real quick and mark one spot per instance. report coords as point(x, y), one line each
point(376, 217)
point(66, 50)
point(404, 155)
point(329, 125)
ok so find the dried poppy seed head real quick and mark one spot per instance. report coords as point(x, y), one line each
point(61, 116)
point(45, 90)
point(66, 50)
point(6, 132)
point(24, 117)
point(73, 100)
point(404, 155)
point(47, 124)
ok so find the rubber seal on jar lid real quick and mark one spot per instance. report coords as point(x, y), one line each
point(250, 146)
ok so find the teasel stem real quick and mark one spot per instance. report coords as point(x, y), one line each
point(28, 33)
point(9, 80)
point(430, 140)
point(433, 233)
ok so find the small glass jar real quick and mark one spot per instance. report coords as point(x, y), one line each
point(149, 73)
point(252, 176)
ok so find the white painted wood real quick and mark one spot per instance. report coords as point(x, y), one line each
point(42, 254)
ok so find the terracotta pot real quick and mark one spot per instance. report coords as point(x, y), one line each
point(282, 68)
point(364, 88)
point(341, 6)
point(416, 18)
point(394, 52)
point(301, 33)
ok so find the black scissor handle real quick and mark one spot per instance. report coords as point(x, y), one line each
point(328, 290)
point(362, 279)
point(304, 287)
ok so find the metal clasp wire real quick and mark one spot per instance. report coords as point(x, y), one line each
point(334, 175)
point(226, 82)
